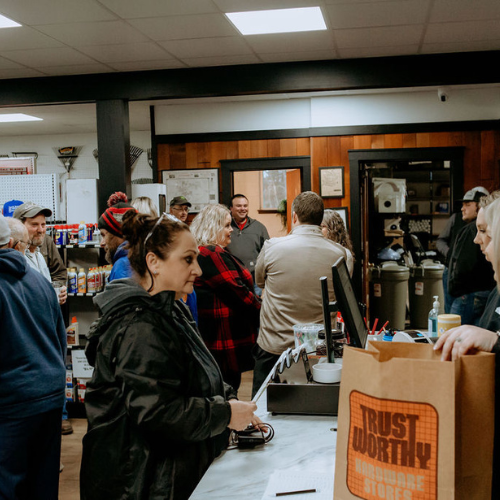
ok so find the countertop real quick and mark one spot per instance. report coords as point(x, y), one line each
point(303, 444)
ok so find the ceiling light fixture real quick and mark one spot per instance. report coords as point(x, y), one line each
point(261, 22)
point(5, 22)
point(18, 117)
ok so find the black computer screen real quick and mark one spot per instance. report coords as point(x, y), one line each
point(348, 304)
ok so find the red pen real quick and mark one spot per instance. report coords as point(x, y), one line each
point(374, 326)
point(383, 328)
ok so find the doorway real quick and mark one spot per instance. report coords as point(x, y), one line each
point(410, 160)
point(237, 173)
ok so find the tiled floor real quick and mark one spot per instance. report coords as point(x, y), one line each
point(72, 448)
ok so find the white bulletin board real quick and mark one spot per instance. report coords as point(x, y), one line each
point(199, 186)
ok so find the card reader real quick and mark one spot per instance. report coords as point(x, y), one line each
point(412, 336)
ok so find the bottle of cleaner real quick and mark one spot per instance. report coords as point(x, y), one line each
point(91, 281)
point(72, 280)
point(72, 337)
point(82, 281)
point(433, 318)
point(82, 233)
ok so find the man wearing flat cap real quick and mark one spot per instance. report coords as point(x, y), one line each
point(179, 206)
point(470, 276)
point(113, 242)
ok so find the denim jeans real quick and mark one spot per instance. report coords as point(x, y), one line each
point(470, 306)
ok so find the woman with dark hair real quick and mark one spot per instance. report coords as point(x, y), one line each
point(334, 229)
point(158, 409)
point(228, 308)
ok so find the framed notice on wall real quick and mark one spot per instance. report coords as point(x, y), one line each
point(331, 182)
point(199, 186)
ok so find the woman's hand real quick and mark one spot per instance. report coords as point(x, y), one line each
point(242, 414)
point(463, 340)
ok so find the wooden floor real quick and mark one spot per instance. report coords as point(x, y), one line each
point(71, 453)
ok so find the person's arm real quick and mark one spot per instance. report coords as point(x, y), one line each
point(55, 263)
point(260, 268)
point(222, 275)
point(465, 339)
point(155, 375)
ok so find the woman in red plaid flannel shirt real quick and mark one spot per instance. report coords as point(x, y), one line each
point(228, 309)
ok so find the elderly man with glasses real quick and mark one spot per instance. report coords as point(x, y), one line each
point(179, 206)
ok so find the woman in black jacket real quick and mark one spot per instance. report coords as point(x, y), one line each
point(158, 409)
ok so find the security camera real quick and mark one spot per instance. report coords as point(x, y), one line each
point(443, 94)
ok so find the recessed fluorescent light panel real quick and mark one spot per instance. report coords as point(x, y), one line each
point(18, 117)
point(260, 22)
point(5, 22)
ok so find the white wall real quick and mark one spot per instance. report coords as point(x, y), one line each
point(464, 104)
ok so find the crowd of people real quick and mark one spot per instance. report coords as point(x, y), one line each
point(187, 310)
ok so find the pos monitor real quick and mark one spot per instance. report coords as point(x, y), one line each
point(348, 305)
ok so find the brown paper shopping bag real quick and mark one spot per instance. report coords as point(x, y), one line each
point(411, 427)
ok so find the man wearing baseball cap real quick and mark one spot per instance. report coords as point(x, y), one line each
point(179, 206)
point(113, 242)
point(42, 252)
point(470, 276)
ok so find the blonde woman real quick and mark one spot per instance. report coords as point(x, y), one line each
point(145, 205)
point(228, 309)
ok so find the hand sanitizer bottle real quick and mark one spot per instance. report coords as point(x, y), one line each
point(433, 318)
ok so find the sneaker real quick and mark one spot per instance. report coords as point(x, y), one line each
point(66, 427)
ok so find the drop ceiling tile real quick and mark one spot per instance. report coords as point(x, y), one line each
point(199, 62)
point(471, 31)
point(19, 73)
point(464, 10)
point(319, 55)
point(80, 69)
point(125, 52)
point(399, 50)
point(147, 65)
point(100, 33)
point(130, 9)
point(353, 1)
point(464, 46)
point(245, 5)
point(393, 13)
point(378, 37)
point(183, 27)
point(36, 12)
point(289, 42)
point(206, 47)
point(25, 38)
point(38, 58)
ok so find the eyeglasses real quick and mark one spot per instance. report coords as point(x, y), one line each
point(25, 243)
point(158, 222)
point(183, 208)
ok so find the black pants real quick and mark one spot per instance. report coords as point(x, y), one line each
point(30, 451)
point(264, 362)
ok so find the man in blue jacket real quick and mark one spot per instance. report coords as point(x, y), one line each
point(113, 242)
point(32, 378)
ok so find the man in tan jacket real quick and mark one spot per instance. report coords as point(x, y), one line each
point(289, 268)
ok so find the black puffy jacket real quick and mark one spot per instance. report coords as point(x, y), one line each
point(469, 271)
point(156, 403)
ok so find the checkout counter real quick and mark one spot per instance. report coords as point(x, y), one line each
point(303, 446)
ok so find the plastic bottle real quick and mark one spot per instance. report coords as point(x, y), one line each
point(91, 281)
point(82, 281)
point(433, 318)
point(96, 236)
point(82, 233)
point(72, 332)
point(72, 280)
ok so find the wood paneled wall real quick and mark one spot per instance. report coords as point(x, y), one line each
point(481, 162)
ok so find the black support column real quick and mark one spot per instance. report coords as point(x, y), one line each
point(113, 144)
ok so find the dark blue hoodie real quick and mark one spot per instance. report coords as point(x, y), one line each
point(32, 340)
